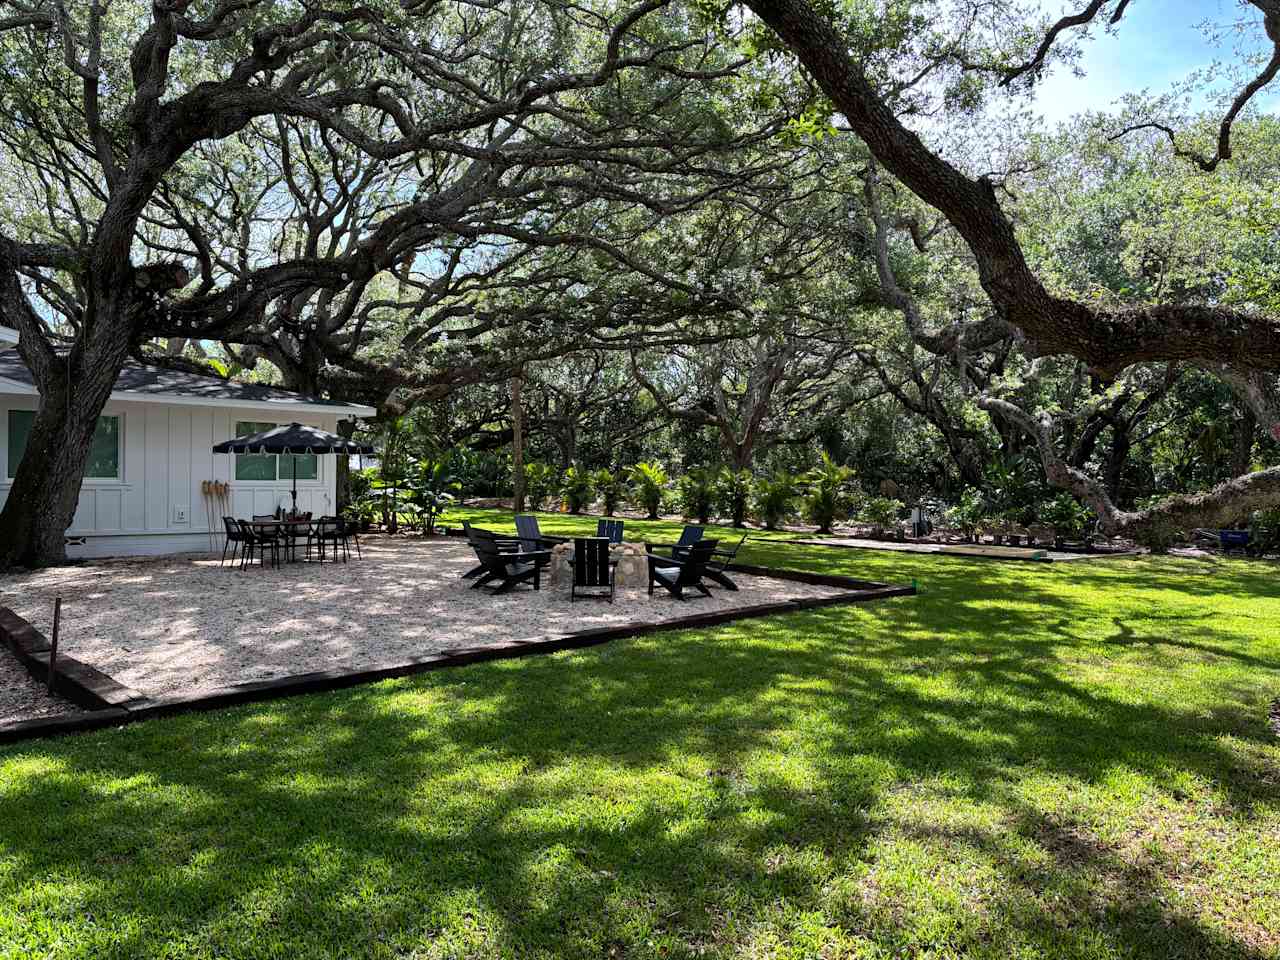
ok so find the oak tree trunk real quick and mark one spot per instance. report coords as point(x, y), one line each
point(46, 487)
point(517, 443)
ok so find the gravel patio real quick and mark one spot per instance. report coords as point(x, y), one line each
point(172, 626)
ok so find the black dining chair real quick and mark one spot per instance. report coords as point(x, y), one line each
point(329, 530)
point(234, 539)
point(259, 538)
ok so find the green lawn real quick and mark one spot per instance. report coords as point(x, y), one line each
point(1023, 761)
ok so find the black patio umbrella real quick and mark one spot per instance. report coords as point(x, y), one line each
point(294, 438)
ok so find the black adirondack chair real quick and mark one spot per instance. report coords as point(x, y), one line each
point(509, 569)
point(505, 545)
point(719, 563)
point(610, 529)
point(690, 535)
point(592, 568)
point(679, 573)
point(531, 538)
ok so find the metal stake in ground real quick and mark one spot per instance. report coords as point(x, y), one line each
point(53, 644)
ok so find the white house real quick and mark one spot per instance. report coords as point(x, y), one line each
point(144, 490)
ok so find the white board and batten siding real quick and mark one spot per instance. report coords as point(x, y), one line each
point(156, 506)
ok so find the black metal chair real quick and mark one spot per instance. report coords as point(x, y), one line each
point(329, 530)
point(259, 538)
point(509, 569)
point(720, 562)
point(592, 568)
point(677, 574)
point(234, 539)
point(610, 529)
point(531, 538)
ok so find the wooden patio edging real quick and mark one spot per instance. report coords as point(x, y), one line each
point(111, 704)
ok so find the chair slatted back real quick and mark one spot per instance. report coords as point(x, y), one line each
point(690, 535)
point(695, 562)
point(610, 529)
point(591, 562)
point(528, 532)
point(232, 526)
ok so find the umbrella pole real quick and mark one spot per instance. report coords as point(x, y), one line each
point(295, 484)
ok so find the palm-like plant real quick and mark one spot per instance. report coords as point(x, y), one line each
point(434, 487)
point(577, 488)
point(734, 488)
point(610, 487)
point(539, 482)
point(698, 493)
point(648, 484)
point(827, 492)
point(776, 497)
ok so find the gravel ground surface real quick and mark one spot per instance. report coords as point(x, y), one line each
point(22, 698)
point(185, 626)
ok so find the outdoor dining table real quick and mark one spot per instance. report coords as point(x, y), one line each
point(292, 529)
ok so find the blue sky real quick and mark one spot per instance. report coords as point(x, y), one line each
point(1157, 44)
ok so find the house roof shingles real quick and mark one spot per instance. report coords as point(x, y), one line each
point(145, 382)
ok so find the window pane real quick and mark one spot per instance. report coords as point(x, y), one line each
point(254, 466)
point(104, 451)
point(307, 466)
point(19, 430)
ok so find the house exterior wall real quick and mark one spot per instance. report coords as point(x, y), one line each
point(165, 455)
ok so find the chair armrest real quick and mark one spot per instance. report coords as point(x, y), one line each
point(666, 561)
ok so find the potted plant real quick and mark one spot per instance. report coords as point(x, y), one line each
point(827, 492)
point(648, 485)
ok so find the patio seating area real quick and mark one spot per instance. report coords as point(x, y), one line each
point(187, 626)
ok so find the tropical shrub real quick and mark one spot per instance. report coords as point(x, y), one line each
point(1264, 531)
point(610, 487)
point(1160, 536)
point(881, 512)
point(775, 498)
point(433, 488)
point(539, 484)
point(648, 486)
point(968, 513)
point(577, 488)
point(733, 489)
point(1066, 515)
point(697, 493)
point(827, 492)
